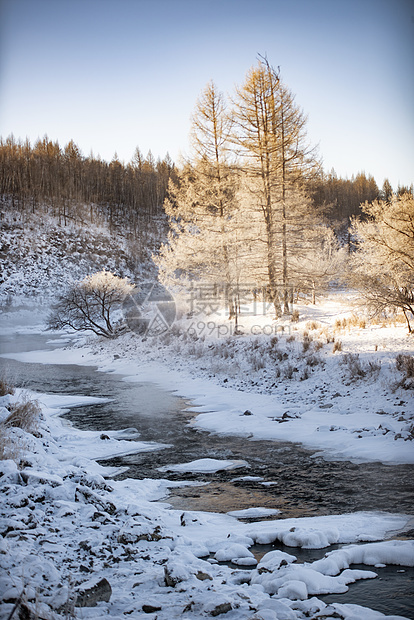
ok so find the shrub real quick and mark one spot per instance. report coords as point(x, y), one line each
point(313, 360)
point(295, 316)
point(405, 364)
point(288, 371)
point(353, 363)
point(356, 369)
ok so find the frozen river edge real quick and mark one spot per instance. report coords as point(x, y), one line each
point(66, 527)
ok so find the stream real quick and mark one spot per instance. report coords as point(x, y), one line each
point(280, 475)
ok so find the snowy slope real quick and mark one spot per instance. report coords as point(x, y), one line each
point(38, 258)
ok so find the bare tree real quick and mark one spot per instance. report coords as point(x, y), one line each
point(92, 305)
point(269, 134)
point(201, 206)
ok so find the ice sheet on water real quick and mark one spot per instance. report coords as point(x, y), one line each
point(205, 466)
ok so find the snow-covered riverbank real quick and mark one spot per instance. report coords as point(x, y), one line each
point(332, 388)
point(67, 529)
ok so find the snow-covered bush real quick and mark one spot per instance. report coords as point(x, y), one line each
point(357, 369)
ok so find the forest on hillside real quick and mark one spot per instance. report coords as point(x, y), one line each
point(48, 176)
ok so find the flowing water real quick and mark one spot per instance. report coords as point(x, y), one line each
point(279, 475)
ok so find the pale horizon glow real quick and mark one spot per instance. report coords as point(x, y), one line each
point(114, 76)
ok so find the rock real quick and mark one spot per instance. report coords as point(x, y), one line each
point(31, 476)
point(169, 580)
point(223, 608)
point(23, 612)
point(203, 576)
point(247, 412)
point(103, 436)
point(133, 532)
point(150, 609)
point(93, 592)
point(84, 494)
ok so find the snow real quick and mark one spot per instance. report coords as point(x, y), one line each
point(64, 521)
point(254, 513)
point(346, 417)
point(68, 511)
point(205, 466)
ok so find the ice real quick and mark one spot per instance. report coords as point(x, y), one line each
point(205, 466)
point(388, 552)
point(254, 513)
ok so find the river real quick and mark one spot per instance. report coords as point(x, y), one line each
point(280, 475)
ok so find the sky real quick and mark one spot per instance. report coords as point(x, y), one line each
point(114, 75)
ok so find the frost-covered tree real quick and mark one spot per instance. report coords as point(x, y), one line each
point(270, 136)
point(201, 206)
point(92, 305)
point(382, 268)
point(318, 261)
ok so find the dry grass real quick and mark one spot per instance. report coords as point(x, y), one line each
point(5, 387)
point(318, 344)
point(352, 321)
point(405, 364)
point(337, 346)
point(313, 325)
point(295, 316)
point(307, 340)
point(24, 414)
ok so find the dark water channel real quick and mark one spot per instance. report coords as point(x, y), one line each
point(288, 478)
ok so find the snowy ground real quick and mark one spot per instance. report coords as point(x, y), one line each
point(66, 525)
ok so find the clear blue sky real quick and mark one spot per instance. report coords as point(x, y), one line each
point(116, 74)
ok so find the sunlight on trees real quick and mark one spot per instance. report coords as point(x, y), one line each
point(202, 206)
point(239, 210)
point(382, 268)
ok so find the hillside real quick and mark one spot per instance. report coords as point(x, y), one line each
point(38, 257)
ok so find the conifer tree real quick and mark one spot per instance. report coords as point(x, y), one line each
point(201, 206)
point(270, 137)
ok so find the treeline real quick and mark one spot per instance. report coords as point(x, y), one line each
point(83, 189)
point(343, 198)
point(128, 196)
